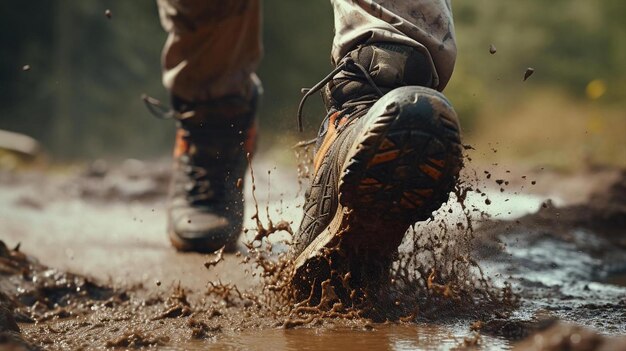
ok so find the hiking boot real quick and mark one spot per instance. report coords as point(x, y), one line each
point(210, 160)
point(387, 155)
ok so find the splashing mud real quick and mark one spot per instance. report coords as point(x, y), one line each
point(449, 271)
point(433, 276)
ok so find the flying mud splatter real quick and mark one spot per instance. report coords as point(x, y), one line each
point(433, 276)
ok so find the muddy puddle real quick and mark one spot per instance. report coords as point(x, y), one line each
point(527, 263)
point(381, 337)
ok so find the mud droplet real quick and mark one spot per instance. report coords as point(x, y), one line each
point(476, 326)
point(108, 13)
point(158, 283)
point(218, 257)
point(533, 182)
point(487, 202)
point(529, 72)
point(492, 49)
point(239, 183)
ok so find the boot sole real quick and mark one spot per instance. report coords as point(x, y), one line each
point(402, 168)
point(199, 246)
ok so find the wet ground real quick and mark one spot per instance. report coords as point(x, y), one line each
point(564, 258)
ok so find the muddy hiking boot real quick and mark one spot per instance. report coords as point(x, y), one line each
point(387, 155)
point(205, 211)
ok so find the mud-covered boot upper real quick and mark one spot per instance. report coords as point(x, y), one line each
point(206, 198)
point(361, 78)
point(388, 66)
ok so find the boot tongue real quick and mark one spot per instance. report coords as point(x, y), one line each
point(390, 66)
point(387, 67)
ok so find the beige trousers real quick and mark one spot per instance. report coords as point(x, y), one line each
point(214, 46)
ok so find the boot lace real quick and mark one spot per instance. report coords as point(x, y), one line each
point(198, 170)
point(355, 108)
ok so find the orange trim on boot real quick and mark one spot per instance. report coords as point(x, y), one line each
point(180, 144)
point(329, 138)
point(251, 138)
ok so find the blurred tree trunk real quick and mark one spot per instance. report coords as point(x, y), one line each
point(62, 127)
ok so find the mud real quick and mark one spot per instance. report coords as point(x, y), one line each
point(455, 283)
point(570, 337)
point(566, 262)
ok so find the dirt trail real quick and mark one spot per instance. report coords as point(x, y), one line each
point(78, 219)
point(107, 224)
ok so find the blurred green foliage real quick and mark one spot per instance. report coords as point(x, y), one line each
point(80, 97)
point(567, 42)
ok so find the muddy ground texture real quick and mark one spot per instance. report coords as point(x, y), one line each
point(507, 278)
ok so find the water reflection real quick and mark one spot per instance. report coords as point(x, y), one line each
point(382, 337)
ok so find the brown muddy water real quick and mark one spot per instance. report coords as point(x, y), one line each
point(392, 337)
point(561, 261)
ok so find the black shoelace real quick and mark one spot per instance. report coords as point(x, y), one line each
point(197, 185)
point(345, 63)
point(354, 109)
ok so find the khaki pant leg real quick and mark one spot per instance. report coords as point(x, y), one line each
point(213, 47)
point(424, 24)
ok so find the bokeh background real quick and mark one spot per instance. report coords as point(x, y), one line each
point(81, 96)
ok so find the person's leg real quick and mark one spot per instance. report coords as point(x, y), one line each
point(389, 150)
point(213, 47)
point(424, 24)
point(211, 53)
